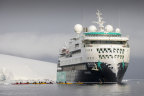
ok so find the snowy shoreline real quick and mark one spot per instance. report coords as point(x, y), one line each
point(17, 68)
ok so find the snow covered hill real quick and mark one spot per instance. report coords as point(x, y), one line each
point(17, 68)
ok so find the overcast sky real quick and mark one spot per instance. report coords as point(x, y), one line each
point(38, 28)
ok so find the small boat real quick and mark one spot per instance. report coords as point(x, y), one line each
point(20, 83)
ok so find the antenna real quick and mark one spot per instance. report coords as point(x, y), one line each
point(100, 22)
point(119, 19)
point(83, 18)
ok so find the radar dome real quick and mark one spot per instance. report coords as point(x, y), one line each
point(78, 28)
point(92, 28)
point(117, 30)
point(109, 28)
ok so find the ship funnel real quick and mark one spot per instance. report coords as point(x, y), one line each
point(92, 28)
point(78, 28)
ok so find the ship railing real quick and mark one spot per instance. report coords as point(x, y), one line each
point(122, 38)
point(106, 36)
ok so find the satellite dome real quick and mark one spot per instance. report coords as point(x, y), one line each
point(92, 28)
point(117, 30)
point(109, 28)
point(78, 28)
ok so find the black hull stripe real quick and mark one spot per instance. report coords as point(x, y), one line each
point(104, 75)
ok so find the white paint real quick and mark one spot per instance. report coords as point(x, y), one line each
point(109, 28)
point(92, 28)
point(78, 28)
point(117, 30)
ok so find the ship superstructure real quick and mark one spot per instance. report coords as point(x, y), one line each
point(94, 55)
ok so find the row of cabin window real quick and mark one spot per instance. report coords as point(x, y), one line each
point(94, 35)
point(111, 56)
point(107, 42)
point(88, 49)
point(90, 57)
point(76, 52)
point(108, 57)
point(109, 50)
point(74, 67)
point(71, 61)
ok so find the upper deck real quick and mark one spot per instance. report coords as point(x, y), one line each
point(103, 36)
point(103, 33)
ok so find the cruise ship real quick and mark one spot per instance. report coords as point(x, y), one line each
point(97, 54)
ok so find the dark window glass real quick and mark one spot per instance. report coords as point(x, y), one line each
point(106, 42)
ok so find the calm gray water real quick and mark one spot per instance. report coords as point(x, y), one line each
point(129, 88)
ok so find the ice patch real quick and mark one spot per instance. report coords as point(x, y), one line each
point(16, 68)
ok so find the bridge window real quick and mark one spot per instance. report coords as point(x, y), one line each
point(106, 42)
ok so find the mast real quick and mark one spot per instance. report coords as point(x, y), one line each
point(100, 21)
